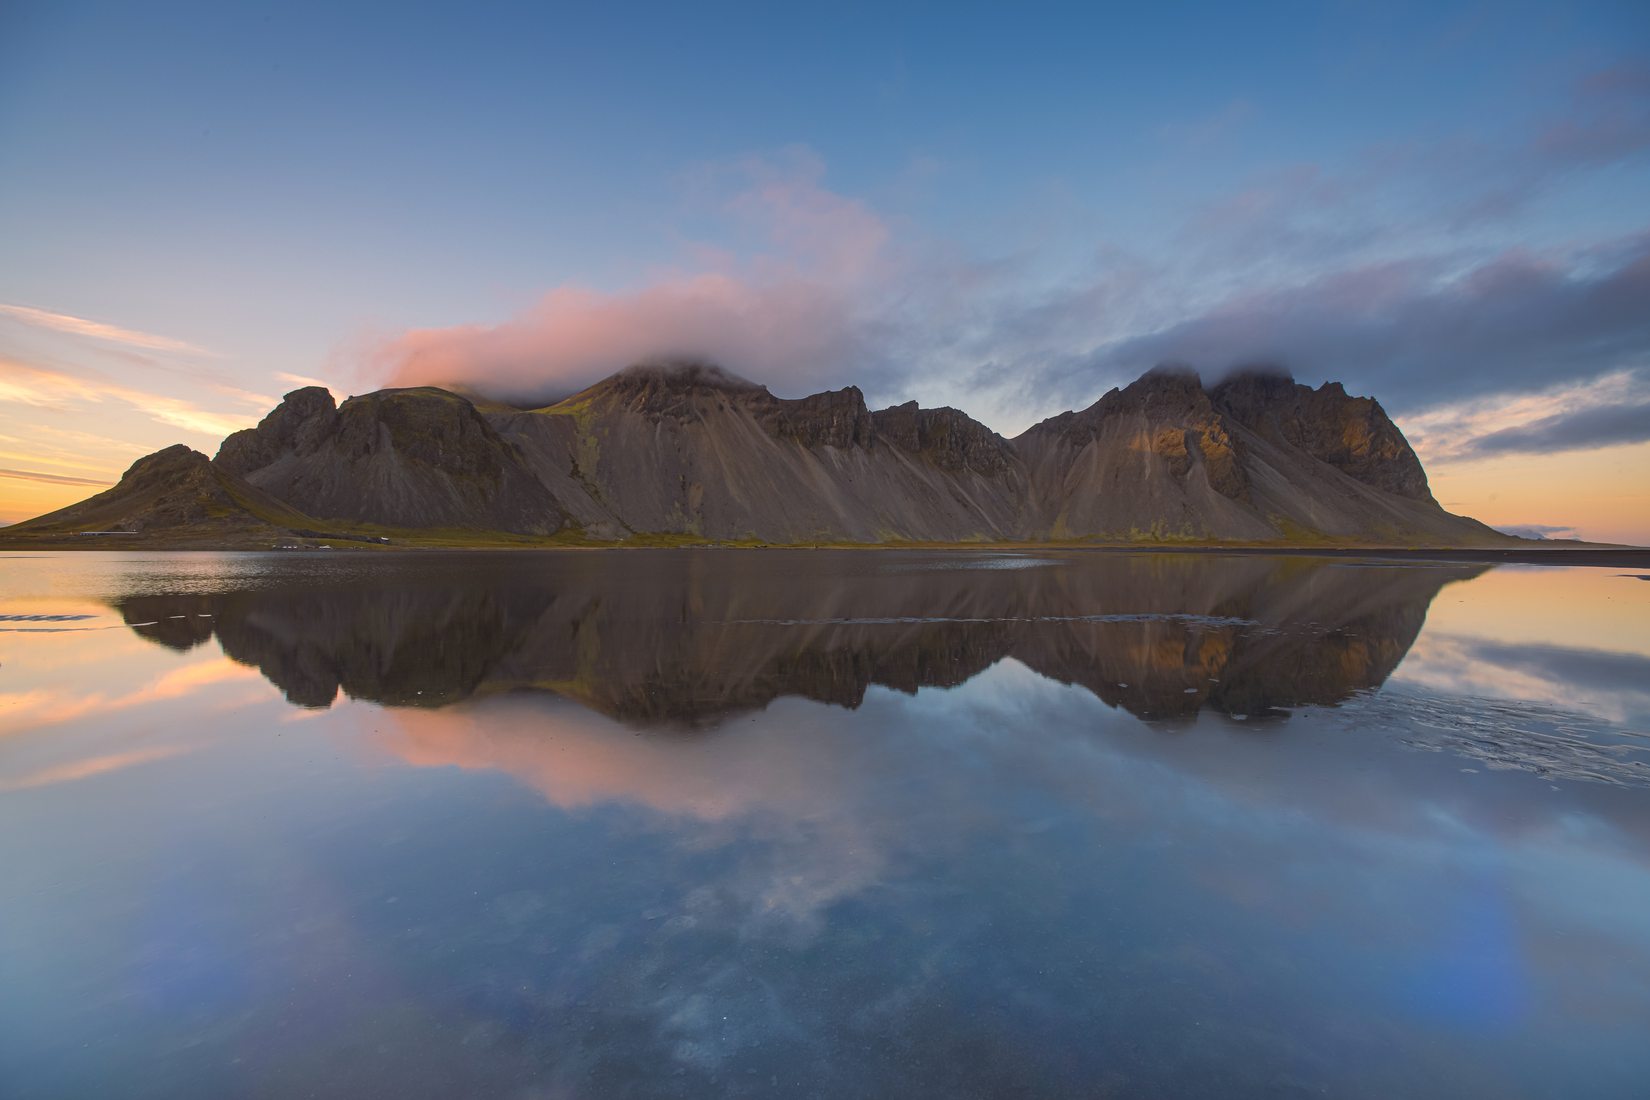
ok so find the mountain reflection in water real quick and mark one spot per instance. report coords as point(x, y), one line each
point(676, 639)
point(718, 824)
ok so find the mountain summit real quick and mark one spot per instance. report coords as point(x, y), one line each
point(689, 450)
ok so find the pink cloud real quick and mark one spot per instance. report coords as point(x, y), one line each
point(793, 331)
point(790, 313)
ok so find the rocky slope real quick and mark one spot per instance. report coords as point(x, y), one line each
point(698, 452)
point(1256, 458)
point(177, 493)
point(396, 458)
point(692, 452)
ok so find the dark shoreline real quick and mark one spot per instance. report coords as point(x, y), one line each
point(1620, 557)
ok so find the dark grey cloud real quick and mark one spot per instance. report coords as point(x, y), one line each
point(1417, 334)
point(1372, 272)
point(1602, 426)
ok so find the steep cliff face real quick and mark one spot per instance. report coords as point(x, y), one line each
point(299, 423)
point(835, 418)
point(1256, 458)
point(1154, 459)
point(401, 458)
point(947, 437)
point(1352, 434)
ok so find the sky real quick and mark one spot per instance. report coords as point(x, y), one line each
point(1010, 211)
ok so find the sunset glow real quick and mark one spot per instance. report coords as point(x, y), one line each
point(187, 239)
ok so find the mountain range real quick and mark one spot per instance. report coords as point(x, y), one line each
point(689, 452)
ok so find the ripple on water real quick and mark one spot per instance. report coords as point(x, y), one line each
point(1512, 735)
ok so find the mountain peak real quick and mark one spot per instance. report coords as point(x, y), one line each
point(681, 374)
point(663, 387)
point(1168, 374)
point(309, 398)
point(420, 456)
point(1352, 434)
point(949, 437)
point(303, 415)
point(177, 460)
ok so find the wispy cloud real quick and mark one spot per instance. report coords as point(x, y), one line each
point(50, 448)
point(98, 330)
point(300, 380)
point(47, 388)
point(34, 710)
point(1419, 332)
point(53, 479)
point(1401, 195)
point(246, 397)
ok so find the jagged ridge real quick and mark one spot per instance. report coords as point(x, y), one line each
point(400, 458)
point(691, 450)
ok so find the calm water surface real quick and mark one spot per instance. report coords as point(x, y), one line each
point(821, 824)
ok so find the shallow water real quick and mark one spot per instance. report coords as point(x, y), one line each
point(821, 824)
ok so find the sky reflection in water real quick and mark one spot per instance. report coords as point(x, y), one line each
point(821, 824)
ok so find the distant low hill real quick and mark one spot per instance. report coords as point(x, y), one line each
point(690, 453)
point(179, 494)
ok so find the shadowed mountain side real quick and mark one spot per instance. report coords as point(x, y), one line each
point(396, 646)
point(416, 458)
point(682, 639)
point(695, 451)
point(177, 493)
point(689, 452)
point(176, 622)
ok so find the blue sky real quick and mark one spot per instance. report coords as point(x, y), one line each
point(1007, 210)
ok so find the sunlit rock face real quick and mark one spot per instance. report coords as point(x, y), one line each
point(680, 640)
point(1153, 460)
point(1256, 457)
point(1352, 434)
